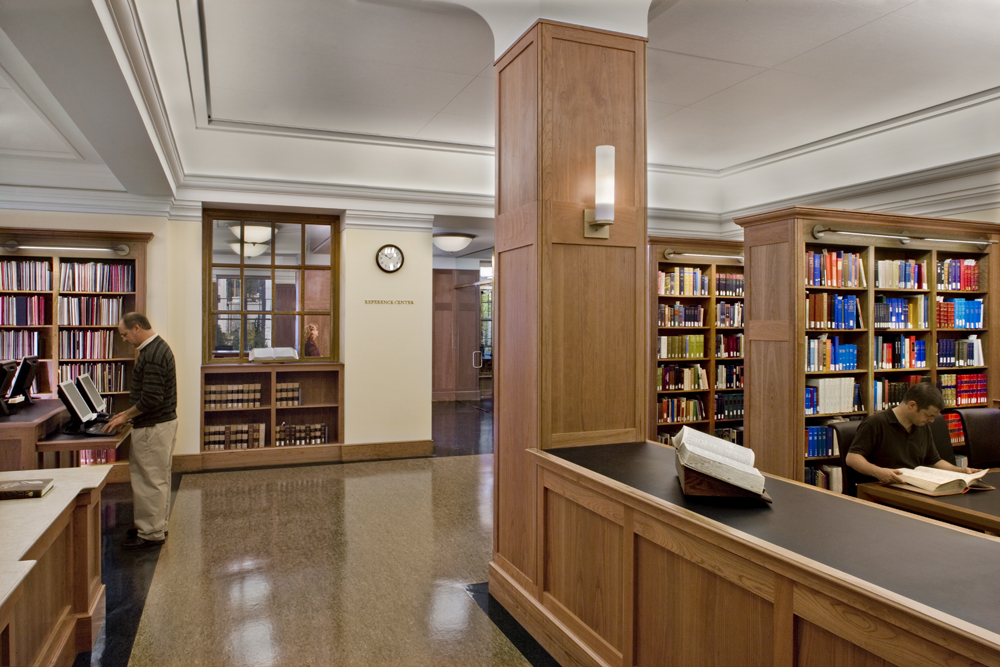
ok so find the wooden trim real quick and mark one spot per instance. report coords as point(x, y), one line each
point(593, 438)
point(387, 450)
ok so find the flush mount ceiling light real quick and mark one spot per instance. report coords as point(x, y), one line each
point(249, 249)
point(14, 246)
point(452, 242)
point(252, 234)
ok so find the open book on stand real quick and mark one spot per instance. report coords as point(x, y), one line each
point(710, 466)
point(273, 354)
point(937, 482)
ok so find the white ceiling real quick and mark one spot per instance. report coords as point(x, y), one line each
point(729, 82)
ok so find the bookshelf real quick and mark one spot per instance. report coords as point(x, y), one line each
point(696, 341)
point(267, 414)
point(903, 326)
point(61, 295)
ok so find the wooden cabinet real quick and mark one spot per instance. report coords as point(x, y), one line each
point(262, 414)
point(697, 337)
point(63, 293)
point(909, 272)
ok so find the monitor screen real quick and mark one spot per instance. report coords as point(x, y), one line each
point(89, 390)
point(7, 372)
point(73, 400)
point(25, 376)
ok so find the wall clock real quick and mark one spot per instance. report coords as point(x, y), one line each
point(389, 258)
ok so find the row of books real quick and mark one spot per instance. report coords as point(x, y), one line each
point(959, 313)
point(25, 274)
point(958, 274)
point(676, 378)
point(682, 281)
point(679, 315)
point(826, 396)
point(87, 344)
point(900, 352)
point(17, 344)
point(963, 389)
point(889, 393)
point(22, 311)
point(729, 284)
point(288, 394)
point(232, 396)
point(677, 410)
point(833, 311)
point(96, 277)
point(900, 274)
point(84, 311)
point(729, 405)
point(729, 314)
point(729, 346)
point(821, 441)
point(107, 375)
point(829, 354)
point(900, 313)
point(732, 434)
point(960, 352)
point(681, 347)
point(955, 430)
point(729, 376)
point(830, 477)
point(827, 268)
point(289, 435)
point(234, 436)
point(89, 457)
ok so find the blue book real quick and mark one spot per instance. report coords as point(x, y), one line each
point(852, 311)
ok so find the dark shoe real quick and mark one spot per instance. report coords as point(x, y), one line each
point(141, 543)
point(134, 532)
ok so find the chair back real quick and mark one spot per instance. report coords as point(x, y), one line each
point(982, 436)
point(845, 436)
point(942, 439)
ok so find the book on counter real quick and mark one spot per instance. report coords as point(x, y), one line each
point(24, 488)
point(710, 466)
point(273, 354)
point(937, 482)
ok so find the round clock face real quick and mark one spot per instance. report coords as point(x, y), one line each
point(389, 258)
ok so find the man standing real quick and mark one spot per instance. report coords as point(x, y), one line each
point(153, 414)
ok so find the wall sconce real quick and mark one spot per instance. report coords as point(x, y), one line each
point(818, 231)
point(452, 242)
point(671, 254)
point(597, 221)
point(14, 246)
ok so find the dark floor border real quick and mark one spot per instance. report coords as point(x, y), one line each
point(514, 631)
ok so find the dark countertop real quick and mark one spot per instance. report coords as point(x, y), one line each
point(948, 570)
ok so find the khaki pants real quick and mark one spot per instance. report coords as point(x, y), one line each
point(149, 467)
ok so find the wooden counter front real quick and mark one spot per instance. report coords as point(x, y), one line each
point(632, 572)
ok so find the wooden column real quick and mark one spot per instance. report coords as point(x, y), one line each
point(571, 312)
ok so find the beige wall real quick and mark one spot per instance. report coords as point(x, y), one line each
point(173, 293)
point(386, 348)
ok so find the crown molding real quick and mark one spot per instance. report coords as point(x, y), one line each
point(82, 201)
point(387, 221)
point(183, 209)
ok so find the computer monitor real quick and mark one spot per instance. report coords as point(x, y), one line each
point(21, 385)
point(75, 403)
point(90, 393)
point(7, 372)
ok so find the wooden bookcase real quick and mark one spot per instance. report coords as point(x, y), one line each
point(318, 400)
point(77, 265)
point(713, 259)
point(778, 328)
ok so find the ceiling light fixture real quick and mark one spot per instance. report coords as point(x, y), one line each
point(818, 231)
point(14, 246)
point(252, 233)
point(250, 249)
point(670, 254)
point(597, 221)
point(452, 241)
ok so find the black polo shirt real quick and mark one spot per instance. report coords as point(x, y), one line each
point(884, 442)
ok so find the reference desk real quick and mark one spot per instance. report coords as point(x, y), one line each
point(978, 510)
point(629, 571)
point(51, 595)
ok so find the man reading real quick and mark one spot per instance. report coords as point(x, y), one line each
point(900, 437)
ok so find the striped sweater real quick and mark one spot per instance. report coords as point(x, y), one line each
point(154, 385)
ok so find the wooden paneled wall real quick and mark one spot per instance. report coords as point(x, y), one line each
point(571, 312)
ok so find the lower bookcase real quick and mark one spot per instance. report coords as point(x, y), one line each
point(270, 414)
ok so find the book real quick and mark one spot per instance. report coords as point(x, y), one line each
point(720, 460)
point(937, 482)
point(24, 488)
point(266, 354)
